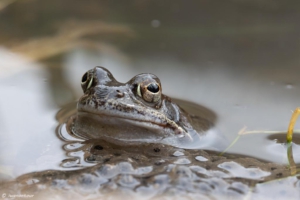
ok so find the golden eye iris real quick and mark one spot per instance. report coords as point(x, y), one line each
point(139, 90)
point(90, 83)
point(150, 93)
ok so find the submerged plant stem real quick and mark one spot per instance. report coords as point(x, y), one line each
point(291, 160)
point(234, 141)
point(289, 136)
point(289, 139)
point(266, 132)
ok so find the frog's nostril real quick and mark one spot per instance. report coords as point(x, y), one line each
point(120, 94)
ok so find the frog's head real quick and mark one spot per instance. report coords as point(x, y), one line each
point(132, 111)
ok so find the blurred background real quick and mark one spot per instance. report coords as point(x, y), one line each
point(239, 58)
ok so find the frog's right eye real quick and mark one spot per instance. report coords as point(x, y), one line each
point(150, 92)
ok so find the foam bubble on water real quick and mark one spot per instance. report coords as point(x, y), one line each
point(289, 86)
point(237, 170)
point(155, 23)
point(182, 161)
point(128, 180)
point(178, 153)
point(201, 158)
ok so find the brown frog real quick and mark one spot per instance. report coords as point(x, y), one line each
point(136, 112)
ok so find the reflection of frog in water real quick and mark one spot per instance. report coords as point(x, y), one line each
point(136, 112)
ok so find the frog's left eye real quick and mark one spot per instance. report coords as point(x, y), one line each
point(150, 93)
point(86, 81)
point(84, 78)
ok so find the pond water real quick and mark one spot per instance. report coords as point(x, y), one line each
point(238, 59)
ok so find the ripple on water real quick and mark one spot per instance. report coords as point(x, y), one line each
point(73, 146)
point(70, 162)
point(63, 134)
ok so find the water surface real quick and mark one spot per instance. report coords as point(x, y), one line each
point(239, 59)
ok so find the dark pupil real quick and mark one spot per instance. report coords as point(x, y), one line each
point(153, 88)
point(84, 78)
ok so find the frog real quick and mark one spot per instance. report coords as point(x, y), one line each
point(137, 112)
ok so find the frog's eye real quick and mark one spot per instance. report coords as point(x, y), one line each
point(84, 78)
point(86, 81)
point(150, 93)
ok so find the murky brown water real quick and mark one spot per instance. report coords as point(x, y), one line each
point(239, 59)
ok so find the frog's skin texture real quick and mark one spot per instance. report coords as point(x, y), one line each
point(135, 112)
